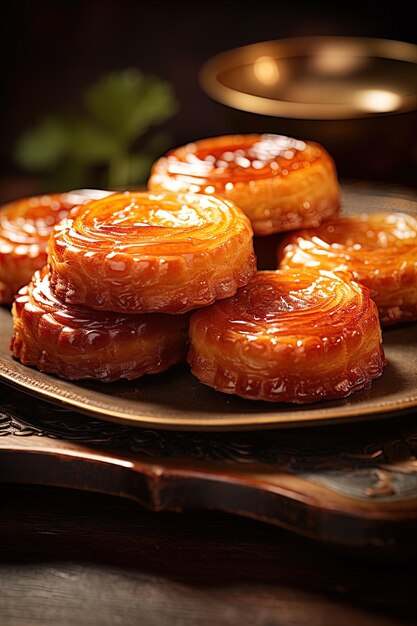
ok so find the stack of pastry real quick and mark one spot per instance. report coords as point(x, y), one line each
point(128, 274)
point(123, 273)
point(292, 335)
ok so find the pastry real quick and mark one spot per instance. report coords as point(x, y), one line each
point(78, 343)
point(379, 249)
point(289, 336)
point(281, 183)
point(25, 226)
point(139, 252)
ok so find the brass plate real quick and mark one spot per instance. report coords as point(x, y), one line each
point(320, 78)
point(176, 400)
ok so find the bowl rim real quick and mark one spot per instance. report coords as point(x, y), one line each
point(208, 77)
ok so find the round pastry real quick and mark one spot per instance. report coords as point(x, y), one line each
point(78, 343)
point(142, 252)
point(25, 227)
point(379, 249)
point(289, 336)
point(281, 183)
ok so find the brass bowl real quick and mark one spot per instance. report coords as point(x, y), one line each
point(357, 96)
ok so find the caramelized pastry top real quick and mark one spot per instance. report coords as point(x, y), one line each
point(291, 308)
point(139, 252)
point(141, 223)
point(25, 227)
point(289, 336)
point(279, 182)
point(25, 224)
point(214, 165)
point(355, 241)
point(379, 249)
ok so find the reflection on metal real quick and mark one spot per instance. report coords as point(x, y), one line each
point(378, 100)
point(266, 70)
point(340, 58)
point(315, 78)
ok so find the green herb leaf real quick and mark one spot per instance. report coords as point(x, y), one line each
point(96, 147)
point(90, 144)
point(44, 146)
point(127, 103)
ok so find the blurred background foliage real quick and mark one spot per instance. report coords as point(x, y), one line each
point(111, 143)
point(52, 53)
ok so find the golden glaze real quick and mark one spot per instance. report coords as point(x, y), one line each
point(289, 336)
point(281, 183)
point(379, 249)
point(25, 227)
point(143, 252)
point(78, 343)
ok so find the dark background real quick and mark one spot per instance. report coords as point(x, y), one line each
point(52, 50)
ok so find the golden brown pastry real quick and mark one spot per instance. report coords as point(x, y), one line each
point(289, 336)
point(143, 252)
point(78, 343)
point(281, 183)
point(25, 226)
point(379, 249)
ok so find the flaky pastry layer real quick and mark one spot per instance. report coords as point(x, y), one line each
point(289, 336)
point(139, 252)
point(379, 249)
point(78, 343)
point(25, 227)
point(281, 183)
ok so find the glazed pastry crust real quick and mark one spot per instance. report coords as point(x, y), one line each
point(379, 249)
point(142, 252)
point(289, 336)
point(280, 183)
point(78, 343)
point(25, 227)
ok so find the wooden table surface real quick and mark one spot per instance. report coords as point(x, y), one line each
point(72, 558)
